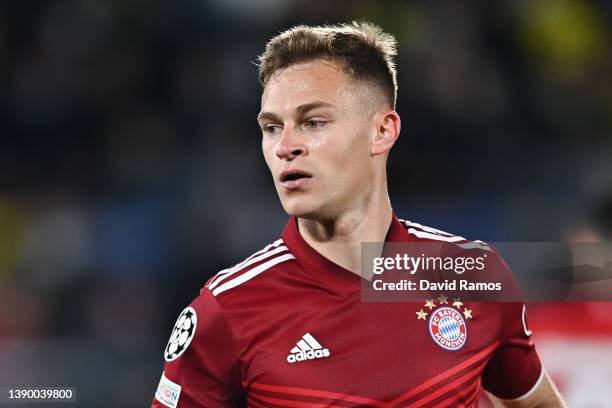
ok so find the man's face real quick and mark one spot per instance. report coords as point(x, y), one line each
point(317, 129)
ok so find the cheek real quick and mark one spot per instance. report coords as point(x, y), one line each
point(347, 150)
point(353, 162)
point(268, 152)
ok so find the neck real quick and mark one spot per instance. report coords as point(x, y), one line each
point(339, 238)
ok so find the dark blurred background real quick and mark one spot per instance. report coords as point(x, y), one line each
point(131, 170)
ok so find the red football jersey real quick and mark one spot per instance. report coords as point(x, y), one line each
point(287, 328)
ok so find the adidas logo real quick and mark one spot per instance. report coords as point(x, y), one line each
point(307, 349)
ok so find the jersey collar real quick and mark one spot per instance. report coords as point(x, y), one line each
point(322, 268)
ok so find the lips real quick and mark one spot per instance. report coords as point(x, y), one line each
point(294, 179)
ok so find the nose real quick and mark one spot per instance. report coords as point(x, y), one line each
point(290, 145)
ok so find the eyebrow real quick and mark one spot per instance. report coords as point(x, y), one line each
point(301, 110)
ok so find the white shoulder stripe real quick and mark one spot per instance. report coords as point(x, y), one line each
point(229, 272)
point(428, 235)
point(232, 283)
point(439, 235)
point(241, 264)
point(426, 228)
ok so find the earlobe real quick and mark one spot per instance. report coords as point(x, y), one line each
point(387, 130)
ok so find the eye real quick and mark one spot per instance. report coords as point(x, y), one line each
point(272, 129)
point(315, 124)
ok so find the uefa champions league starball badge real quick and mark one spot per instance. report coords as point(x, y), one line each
point(447, 322)
point(182, 333)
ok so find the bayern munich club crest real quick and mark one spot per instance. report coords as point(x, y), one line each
point(182, 334)
point(447, 322)
point(447, 328)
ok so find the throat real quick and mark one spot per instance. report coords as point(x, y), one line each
point(340, 240)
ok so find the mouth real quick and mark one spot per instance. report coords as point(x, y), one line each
point(294, 179)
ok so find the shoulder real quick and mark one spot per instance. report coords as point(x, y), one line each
point(437, 241)
point(255, 267)
point(492, 266)
point(209, 315)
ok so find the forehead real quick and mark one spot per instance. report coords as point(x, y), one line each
point(304, 82)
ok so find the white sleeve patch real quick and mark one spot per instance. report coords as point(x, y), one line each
point(167, 392)
point(182, 334)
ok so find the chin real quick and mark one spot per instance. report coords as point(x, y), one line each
point(301, 208)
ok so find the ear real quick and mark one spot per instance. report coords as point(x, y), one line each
point(388, 125)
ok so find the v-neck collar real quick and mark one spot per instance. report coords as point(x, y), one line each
point(324, 269)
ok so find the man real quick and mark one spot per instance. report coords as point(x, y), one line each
point(286, 327)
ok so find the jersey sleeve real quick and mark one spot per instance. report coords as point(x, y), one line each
point(201, 366)
point(515, 366)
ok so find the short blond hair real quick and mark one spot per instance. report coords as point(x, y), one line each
point(362, 50)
